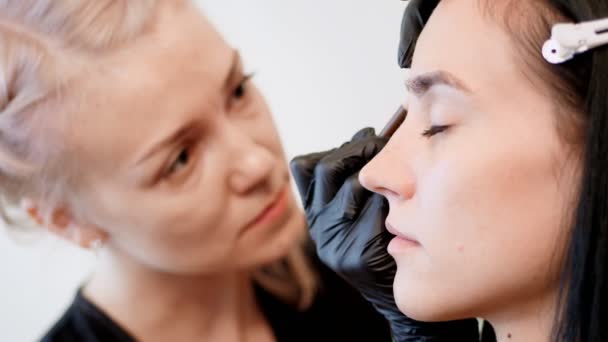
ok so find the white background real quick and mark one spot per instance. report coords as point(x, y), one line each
point(327, 68)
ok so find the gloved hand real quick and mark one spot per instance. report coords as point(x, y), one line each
point(347, 224)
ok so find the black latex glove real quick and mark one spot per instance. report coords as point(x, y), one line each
point(347, 224)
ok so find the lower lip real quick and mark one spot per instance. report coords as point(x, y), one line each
point(273, 213)
point(400, 245)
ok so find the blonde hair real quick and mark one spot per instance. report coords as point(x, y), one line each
point(41, 44)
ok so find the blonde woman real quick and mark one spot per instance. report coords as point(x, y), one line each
point(130, 128)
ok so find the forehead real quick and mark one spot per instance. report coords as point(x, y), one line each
point(460, 39)
point(172, 73)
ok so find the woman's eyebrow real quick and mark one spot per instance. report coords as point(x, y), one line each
point(421, 84)
point(168, 140)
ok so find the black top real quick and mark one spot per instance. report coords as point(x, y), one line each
point(338, 313)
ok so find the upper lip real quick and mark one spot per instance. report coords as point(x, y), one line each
point(391, 229)
point(274, 199)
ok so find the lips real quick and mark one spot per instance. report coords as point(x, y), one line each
point(391, 229)
point(273, 210)
point(276, 198)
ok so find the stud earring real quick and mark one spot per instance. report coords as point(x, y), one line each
point(96, 246)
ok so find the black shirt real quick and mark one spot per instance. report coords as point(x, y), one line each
point(338, 313)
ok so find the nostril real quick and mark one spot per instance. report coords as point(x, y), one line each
point(388, 192)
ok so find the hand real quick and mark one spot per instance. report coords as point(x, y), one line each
point(340, 212)
point(347, 224)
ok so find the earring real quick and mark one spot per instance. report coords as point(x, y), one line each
point(96, 246)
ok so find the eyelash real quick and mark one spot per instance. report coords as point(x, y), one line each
point(184, 157)
point(240, 91)
point(434, 130)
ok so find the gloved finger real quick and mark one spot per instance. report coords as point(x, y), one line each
point(374, 213)
point(372, 224)
point(363, 133)
point(365, 260)
point(415, 17)
point(333, 170)
point(302, 169)
point(351, 198)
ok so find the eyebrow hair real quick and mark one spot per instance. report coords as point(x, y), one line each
point(421, 84)
point(185, 128)
point(234, 68)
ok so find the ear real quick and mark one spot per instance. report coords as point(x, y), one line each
point(60, 222)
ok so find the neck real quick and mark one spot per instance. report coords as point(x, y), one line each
point(530, 321)
point(156, 306)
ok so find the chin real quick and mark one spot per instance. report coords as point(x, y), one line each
point(417, 301)
point(413, 309)
point(420, 303)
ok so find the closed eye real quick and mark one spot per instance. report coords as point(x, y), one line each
point(434, 130)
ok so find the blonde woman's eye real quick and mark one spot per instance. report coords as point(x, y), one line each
point(241, 89)
point(181, 161)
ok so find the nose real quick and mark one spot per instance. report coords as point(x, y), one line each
point(388, 174)
point(252, 166)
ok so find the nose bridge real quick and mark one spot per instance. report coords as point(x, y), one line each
point(389, 173)
point(250, 164)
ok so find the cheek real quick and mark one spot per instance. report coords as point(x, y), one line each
point(177, 230)
point(493, 199)
point(496, 183)
point(490, 216)
point(259, 125)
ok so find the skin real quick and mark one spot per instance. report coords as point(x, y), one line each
point(479, 208)
point(177, 219)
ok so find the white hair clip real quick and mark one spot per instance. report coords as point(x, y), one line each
point(568, 40)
